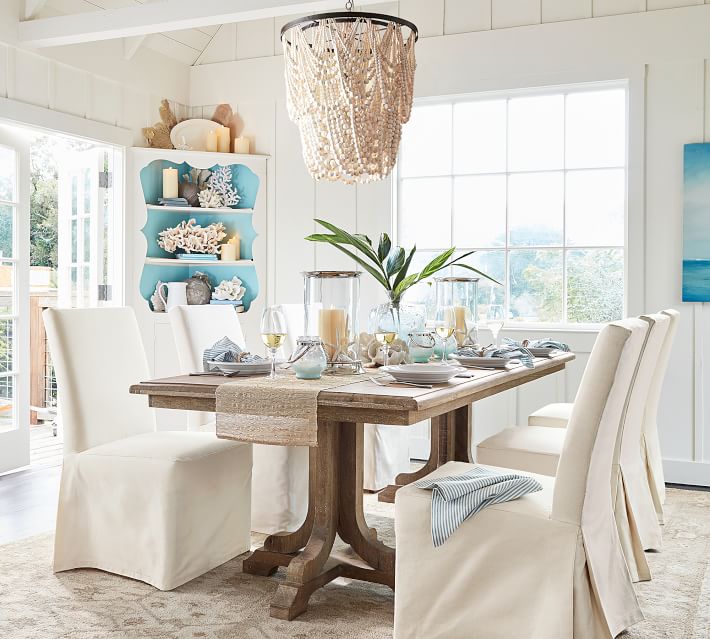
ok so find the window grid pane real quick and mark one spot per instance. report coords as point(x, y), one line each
point(537, 186)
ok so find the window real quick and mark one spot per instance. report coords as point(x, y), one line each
point(536, 184)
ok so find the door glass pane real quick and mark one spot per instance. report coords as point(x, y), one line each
point(536, 133)
point(493, 263)
point(536, 208)
point(426, 142)
point(596, 201)
point(74, 194)
point(7, 281)
point(596, 129)
point(74, 242)
point(7, 214)
point(422, 220)
point(479, 211)
point(479, 136)
point(87, 239)
point(595, 285)
point(8, 173)
point(7, 403)
point(535, 281)
point(6, 345)
point(86, 284)
point(87, 191)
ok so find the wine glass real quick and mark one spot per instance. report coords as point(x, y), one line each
point(385, 338)
point(273, 333)
point(494, 320)
point(445, 325)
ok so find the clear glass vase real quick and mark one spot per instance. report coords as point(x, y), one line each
point(399, 318)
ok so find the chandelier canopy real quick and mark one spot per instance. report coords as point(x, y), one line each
point(349, 86)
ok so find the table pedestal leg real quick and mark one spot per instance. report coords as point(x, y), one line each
point(451, 440)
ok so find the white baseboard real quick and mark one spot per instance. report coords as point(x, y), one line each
point(690, 473)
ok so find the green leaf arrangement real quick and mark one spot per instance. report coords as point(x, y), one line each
point(388, 264)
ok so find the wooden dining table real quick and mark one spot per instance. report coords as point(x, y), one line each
point(335, 505)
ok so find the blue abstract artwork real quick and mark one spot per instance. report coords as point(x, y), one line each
point(696, 223)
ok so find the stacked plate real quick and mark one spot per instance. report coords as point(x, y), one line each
point(423, 373)
point(484, 362)
point(262, 367)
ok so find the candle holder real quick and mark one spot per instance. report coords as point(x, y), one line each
point(330, 302)
point(462, 294)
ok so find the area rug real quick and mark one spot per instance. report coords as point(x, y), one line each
point(227, 604)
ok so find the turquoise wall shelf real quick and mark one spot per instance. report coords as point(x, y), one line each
point(247, 184)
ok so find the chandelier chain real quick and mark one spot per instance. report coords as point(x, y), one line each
point(349, 5)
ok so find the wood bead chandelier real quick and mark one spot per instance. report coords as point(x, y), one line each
point(349, 85)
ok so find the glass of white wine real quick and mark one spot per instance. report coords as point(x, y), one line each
point(385, 338)
point(445, 325)
point(273, 333)
point(495, 319)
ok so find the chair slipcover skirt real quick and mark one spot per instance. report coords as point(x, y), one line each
point(161, 507)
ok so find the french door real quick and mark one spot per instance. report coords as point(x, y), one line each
point(14, 298)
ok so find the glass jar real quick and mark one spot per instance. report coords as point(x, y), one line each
point(331, 300)
point(462, 294)
point(309, 360)
point(421, 346)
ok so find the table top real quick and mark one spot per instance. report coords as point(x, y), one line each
point(363, 400)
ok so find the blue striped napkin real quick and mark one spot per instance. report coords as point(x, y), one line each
point(507, 351)
point(457, 497)
point(545, 342)
point(225, 350)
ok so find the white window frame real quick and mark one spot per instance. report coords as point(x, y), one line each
point(633, 81)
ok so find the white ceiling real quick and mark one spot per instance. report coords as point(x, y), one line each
point(185, 46)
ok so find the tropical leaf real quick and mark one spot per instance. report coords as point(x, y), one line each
point(405, 268)
point(481, 273)
point(406, 283)
point(395, 261)
point(329, 239)
point(346, 238)
point(438, 263)
point(364, 238)
point(384, 248)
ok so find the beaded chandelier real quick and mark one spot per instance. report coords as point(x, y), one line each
point(349, 85)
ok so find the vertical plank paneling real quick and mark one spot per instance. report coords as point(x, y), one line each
point(3, 71)
point(615, 7)
point(255, 39)
point(31, 78)
point(515, 13)
point(428, 15)
point(334, 203)
point(670, 4)
point(222, 47)
point(559, 10)
point(462, 16)
point(70, 90)
point(105, 102)
point(136, 113)
point(258, 119)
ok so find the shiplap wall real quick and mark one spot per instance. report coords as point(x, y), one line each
point(663, 54)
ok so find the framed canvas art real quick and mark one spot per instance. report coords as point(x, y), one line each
point(696, 223)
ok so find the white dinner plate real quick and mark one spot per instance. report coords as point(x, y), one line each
point(246, 368)
point(544, 352)
point(484, 362)
point(422, 373)
point(195, 133)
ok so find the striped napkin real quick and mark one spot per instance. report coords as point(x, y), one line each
point(545, 342)
point(506, 351)
point(456, 498)
point(225, 350)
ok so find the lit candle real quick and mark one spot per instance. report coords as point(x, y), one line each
point(460, 329)
point(211, 144)
point(223, 139)
point(332, 329)
point(230, 250)
point(241, 145)
point(170, 183)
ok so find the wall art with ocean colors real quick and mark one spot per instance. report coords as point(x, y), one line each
point(696, 223)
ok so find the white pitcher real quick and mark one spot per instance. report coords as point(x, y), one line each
point(176, 294)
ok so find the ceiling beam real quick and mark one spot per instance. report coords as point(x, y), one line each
point(157, 17)
point(33, 7)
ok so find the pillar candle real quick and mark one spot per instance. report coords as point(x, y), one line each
point(230, 250)
point(241, 145)
point(223, 139)
point(332, 329)
point(460, 329)
point(211, 143)
point(170, 183)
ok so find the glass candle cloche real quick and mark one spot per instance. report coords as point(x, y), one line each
point(331, 300)
point(462, 294)
point(309, 360)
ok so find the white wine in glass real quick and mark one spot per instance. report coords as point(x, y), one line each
point(445, 325)
point(385, 338)
point(273, 333)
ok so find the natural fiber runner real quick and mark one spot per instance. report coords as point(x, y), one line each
point(274, 411)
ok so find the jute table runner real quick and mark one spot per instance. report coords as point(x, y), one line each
point(274, 411)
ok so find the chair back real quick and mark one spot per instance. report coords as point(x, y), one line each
point(654, 392)
point(583, 478)
point(97, 354)
point(197, 327)
point(295, 325)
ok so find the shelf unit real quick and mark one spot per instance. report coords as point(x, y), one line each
point(171, 261)
point(198, 210)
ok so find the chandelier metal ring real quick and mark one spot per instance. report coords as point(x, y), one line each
point(380, 19)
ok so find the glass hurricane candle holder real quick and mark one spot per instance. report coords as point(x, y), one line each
point(331, 300)
point(461, 293)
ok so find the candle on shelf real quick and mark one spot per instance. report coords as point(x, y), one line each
point(241, 145)
point(460, 326)
point(223, 139)
point(230, 250)
point(332, 329)
point(170, 183)
point(211, 144)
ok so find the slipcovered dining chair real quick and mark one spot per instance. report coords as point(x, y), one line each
point(557, 415)
point(530, 448)
point(280, 473)
point(160, 507)
point(386, 448)
point(547, 565)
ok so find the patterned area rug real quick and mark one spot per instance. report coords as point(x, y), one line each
point(227, 604)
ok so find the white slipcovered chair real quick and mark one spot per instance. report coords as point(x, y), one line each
point(538, 448)
point(557, 415)
point(161, 507)
point(546, 566)
point(280, 473)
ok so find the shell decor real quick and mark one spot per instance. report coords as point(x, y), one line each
point(190, 237)
point(210, 199)
point(221, 183)
point(229, 290)
point(371, 351)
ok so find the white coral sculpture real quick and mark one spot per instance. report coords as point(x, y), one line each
point(229, 290)
point(210, 199)
point(221, 182)
point(192, 238)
